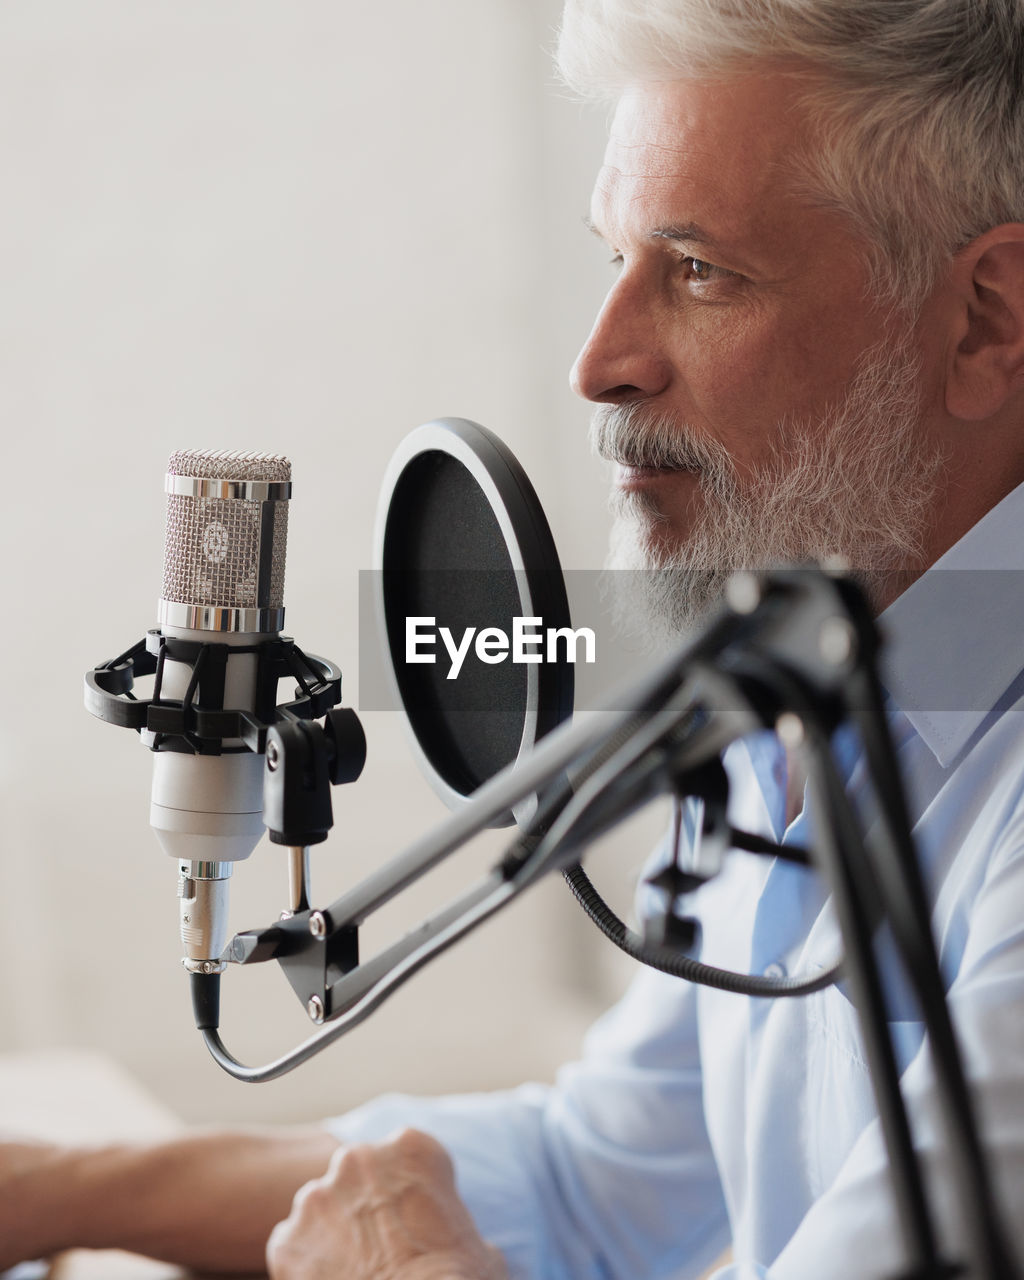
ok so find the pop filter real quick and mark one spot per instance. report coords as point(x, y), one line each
point(469, 592)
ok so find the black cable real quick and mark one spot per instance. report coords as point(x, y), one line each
point(674, 963)
point(682, 966)
point(339, 1024)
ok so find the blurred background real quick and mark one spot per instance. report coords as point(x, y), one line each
point(301, 226)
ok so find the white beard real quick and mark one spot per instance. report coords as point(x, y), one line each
point(857, 484)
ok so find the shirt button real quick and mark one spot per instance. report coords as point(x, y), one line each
point(775, 970)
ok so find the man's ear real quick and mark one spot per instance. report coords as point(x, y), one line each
point(987, 350)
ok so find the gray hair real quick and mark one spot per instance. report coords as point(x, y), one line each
point(919, 104)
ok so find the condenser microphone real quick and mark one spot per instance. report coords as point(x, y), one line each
point(222, 602)
point(229, 761)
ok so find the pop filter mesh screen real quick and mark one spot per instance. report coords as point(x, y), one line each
point(445, 558)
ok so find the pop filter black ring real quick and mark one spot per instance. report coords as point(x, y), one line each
point(533, 559)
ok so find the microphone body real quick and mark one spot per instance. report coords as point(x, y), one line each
point(221, 603)
point(209, 807)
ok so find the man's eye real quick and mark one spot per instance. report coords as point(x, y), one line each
point(699, 269)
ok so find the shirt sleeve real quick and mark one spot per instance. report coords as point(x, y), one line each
point(608, 1174)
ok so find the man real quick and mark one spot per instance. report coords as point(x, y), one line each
point(814, 345)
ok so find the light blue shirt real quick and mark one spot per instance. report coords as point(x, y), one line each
point(697, 1119)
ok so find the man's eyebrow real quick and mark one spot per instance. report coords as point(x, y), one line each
point(686, 233)
point(689, 233)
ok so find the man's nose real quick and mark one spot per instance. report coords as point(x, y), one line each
point(622, 360)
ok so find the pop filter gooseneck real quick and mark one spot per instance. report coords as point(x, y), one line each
point(463, 546)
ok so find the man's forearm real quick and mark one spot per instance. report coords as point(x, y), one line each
point(207, 1201)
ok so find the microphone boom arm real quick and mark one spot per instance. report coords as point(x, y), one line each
point(797, 650)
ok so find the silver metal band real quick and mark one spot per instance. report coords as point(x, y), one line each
point(203, 966)
point(172, 613)
point(205, 870)
point(249, 490)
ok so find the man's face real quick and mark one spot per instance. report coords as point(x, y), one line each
point(754, 397)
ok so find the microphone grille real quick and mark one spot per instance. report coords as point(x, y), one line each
point(226, 552)
point(225, 464)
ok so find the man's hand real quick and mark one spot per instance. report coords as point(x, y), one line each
point(383, 1212)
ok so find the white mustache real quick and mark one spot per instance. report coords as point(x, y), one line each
point(635, 435)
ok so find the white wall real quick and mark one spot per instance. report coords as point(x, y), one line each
point(292, 225)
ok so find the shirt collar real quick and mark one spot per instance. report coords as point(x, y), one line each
point(954, 640)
